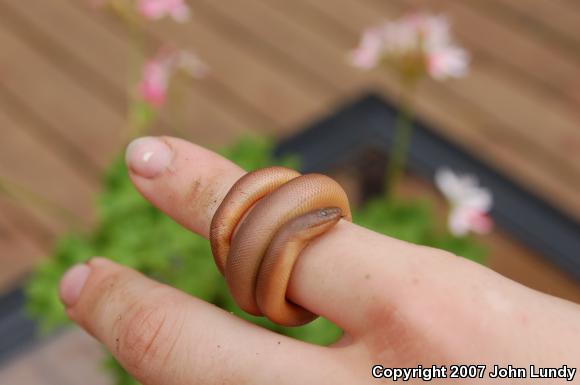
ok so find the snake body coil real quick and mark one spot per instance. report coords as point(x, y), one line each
point(257, 233)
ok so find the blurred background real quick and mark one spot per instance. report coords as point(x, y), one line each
point(275, 66)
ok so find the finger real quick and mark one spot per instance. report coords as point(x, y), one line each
point(196, 179)
point(162, 336)
point(340, 275)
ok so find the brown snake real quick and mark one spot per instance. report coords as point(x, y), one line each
point(260, 228)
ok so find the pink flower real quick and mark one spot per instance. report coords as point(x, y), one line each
point(447, 62)
point(368, 53)
point(419, 35)
point(191, 64)
point(155, 81)
point(470, 204)
point(462, 220)
point(157, 74)
point(157, 9)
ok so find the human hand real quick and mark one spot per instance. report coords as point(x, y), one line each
point(400, 305)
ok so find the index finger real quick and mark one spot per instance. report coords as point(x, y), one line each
point(339, 275)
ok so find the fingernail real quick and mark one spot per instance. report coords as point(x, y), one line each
point(72, 284)
point(148, 156)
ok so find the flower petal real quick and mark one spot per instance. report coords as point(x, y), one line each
point(447, 62)
point(157, 9)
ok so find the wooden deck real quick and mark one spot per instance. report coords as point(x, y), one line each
point(276, 65)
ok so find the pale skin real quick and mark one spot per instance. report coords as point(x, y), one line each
point(399, 304)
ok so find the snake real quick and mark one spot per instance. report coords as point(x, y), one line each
point(259, 230)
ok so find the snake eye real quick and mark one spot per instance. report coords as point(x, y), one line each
point(329, 211)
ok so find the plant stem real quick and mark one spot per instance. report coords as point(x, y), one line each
point(136, 40)
point(177, 104)
point(25, 196)
point(401, 140)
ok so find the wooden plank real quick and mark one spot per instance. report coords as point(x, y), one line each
point(555, 23)
point(17, 373)
point(201, 120)
point(71, 358)
point(39, 229)
point(261, 29)
point(536, 121)
point(282, 40)
point(70, 39)
point(21, 249)
point(26, 161)
point(66, 107)
point(67, 358)
point(468, 125)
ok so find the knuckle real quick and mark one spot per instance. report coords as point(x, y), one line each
point(147, 332)
point(386, 318)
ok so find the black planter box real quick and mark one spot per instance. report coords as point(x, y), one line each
point(366, 125)
point(16, 329)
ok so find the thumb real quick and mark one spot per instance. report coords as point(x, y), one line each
point(163, 336)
